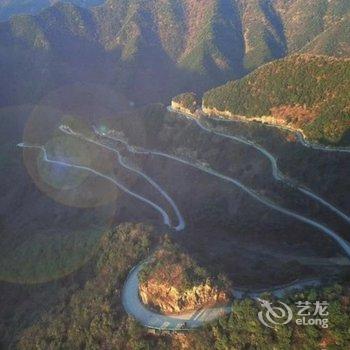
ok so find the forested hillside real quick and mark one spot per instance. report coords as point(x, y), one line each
point(97, 173)
point(333, 41)
point(93, 318)
point(307, 92)
point(152, 50)
point(10, 8)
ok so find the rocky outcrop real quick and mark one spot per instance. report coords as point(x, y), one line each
point(266, 119)
point(169, 299)
point(187, 103)
point(273, 120)
point(180, 108)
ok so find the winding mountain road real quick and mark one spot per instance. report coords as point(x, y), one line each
point(181, 222)
point(341, 242)
point(151, 319)
point(276, 173)
point(163, 213)
point(300, 136)
point(130, 296)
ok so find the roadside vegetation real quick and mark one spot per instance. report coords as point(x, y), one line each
point(93, 317)
point(242, 329)
point(169, 257)
point(188, 286)
point(187, 100)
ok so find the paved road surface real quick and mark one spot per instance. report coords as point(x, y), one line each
point(276, 173)
point(163, 213)
point(341, 242)
point(130, 297)
point(181, 222)
point(151, 319)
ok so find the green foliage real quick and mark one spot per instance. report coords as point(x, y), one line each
point(320, 84)
point(333, 41)
point(304, 21)
point(169, 257)
point(93, 317)
point(10, 8)
point(151, 50)
point(264, 36)
point(188, 100)
point(242, 329)
point(43, 257)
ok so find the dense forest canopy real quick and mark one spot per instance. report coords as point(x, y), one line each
point(315, 87)
point(93, 317)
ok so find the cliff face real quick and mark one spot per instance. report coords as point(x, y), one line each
point(169, 299)
point(275, 119)
point(179, 107)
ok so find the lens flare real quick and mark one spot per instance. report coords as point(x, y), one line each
point(55, 231)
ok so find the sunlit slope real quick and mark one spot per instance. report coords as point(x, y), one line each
point(152, 50)
point(311, 93)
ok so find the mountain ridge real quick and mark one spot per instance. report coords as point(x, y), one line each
point(9, 8)
point(151, 50)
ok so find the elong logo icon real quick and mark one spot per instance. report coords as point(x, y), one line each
point(308, 314)
point(274, 315)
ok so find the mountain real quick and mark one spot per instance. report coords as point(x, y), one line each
point(90, 182)
point(308, 92)
point(333, 41)
point(303, 21)
point(9, 8)
point(152, 50)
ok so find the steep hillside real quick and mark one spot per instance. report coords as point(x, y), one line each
point(151, 50)
point(311, 93)
point(187, 102)
point(333, 41)
point(39, 53)
point(9, 8)
point(253, 246)
point(263, 33)
point(189, 287)
point(304, 20)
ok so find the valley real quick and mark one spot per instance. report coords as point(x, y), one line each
point(172, 170)
point(148, 159)
point(175, 213)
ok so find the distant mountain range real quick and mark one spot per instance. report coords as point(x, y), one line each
point(151, 50)
point(9, 8)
